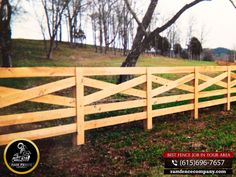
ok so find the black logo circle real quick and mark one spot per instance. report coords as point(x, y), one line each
point(21, 156)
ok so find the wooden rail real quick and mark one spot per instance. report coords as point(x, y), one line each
point(151, 93)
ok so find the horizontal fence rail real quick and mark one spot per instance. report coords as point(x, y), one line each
point(96, 100)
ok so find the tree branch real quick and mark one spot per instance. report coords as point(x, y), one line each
point(233, 3)
point(158, 30)
point(135, 17)
point(176, 16)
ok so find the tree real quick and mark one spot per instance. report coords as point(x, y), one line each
point(54, 10)
point(5, 32)
point(207, 55)
point(191, 29)
point(94, 20)
point(108, 18)
point(203, 34)
point(173, 36)
point(165, 46)
point(126, 30)
point(142, 38)
point(177, 49)
point(195, 48)
point(110, 27)
point(232, 54)
point(80, 35)
point(184, 54)
point(97, 22)
point(41, 21)
point(233, 3)
point(161, 45)
point(75, 8)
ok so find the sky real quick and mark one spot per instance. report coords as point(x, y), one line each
point(216, 17)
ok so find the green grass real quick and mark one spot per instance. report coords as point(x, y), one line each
point(31, 53)
point(149, 155)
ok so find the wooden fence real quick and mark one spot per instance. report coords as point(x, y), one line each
point(147, 94)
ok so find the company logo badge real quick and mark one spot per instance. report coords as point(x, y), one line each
point(21, 156)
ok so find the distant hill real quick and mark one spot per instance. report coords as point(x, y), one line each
point(220, 52)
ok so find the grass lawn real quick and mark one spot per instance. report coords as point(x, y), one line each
point(31, 53)
point(123, 150)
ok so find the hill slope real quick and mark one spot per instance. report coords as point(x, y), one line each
point(220, 51)
point(31, 53)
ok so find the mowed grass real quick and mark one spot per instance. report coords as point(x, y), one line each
point(31, 53)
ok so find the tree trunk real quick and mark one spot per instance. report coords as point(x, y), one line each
point(6, 47)
point(141, 39)
point(131, 61)
point(5, 33)
point(50, 50)
point(6, 56)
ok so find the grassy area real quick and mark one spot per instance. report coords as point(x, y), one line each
point(124, 150)
point(31, 53)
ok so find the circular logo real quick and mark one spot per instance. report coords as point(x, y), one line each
point(21, 156)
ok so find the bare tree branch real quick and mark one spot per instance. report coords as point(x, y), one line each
point(232, 3)
point(135, 17)
point(176, 16)
point(158, 30)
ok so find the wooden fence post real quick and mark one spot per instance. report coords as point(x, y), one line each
point(80, 106)
point(229, 89)
point(148, 122)
point(192, 83)
point(196, 93)
point(74, 141)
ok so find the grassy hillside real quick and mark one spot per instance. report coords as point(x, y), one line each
point(31, 53)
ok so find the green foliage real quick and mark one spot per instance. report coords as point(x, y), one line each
point(220, 138)
point(195, 48)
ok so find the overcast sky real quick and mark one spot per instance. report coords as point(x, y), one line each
point(217, 16)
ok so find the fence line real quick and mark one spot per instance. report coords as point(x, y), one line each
point(151, 88)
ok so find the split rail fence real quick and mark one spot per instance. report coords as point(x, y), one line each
point(150, 87)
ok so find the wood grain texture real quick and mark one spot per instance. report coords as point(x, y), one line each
point(112, 90)
point(172, 84)
point(163, 81)
point(92, 124)
point(47, 99)
point(36, 92)
point(15, 119)
point(80, 106)
point(37, 72)
point(196, 92)
point(100, 108)
point(39, 133)
point(149, 100)
point(101, 85)
point(213, 81)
